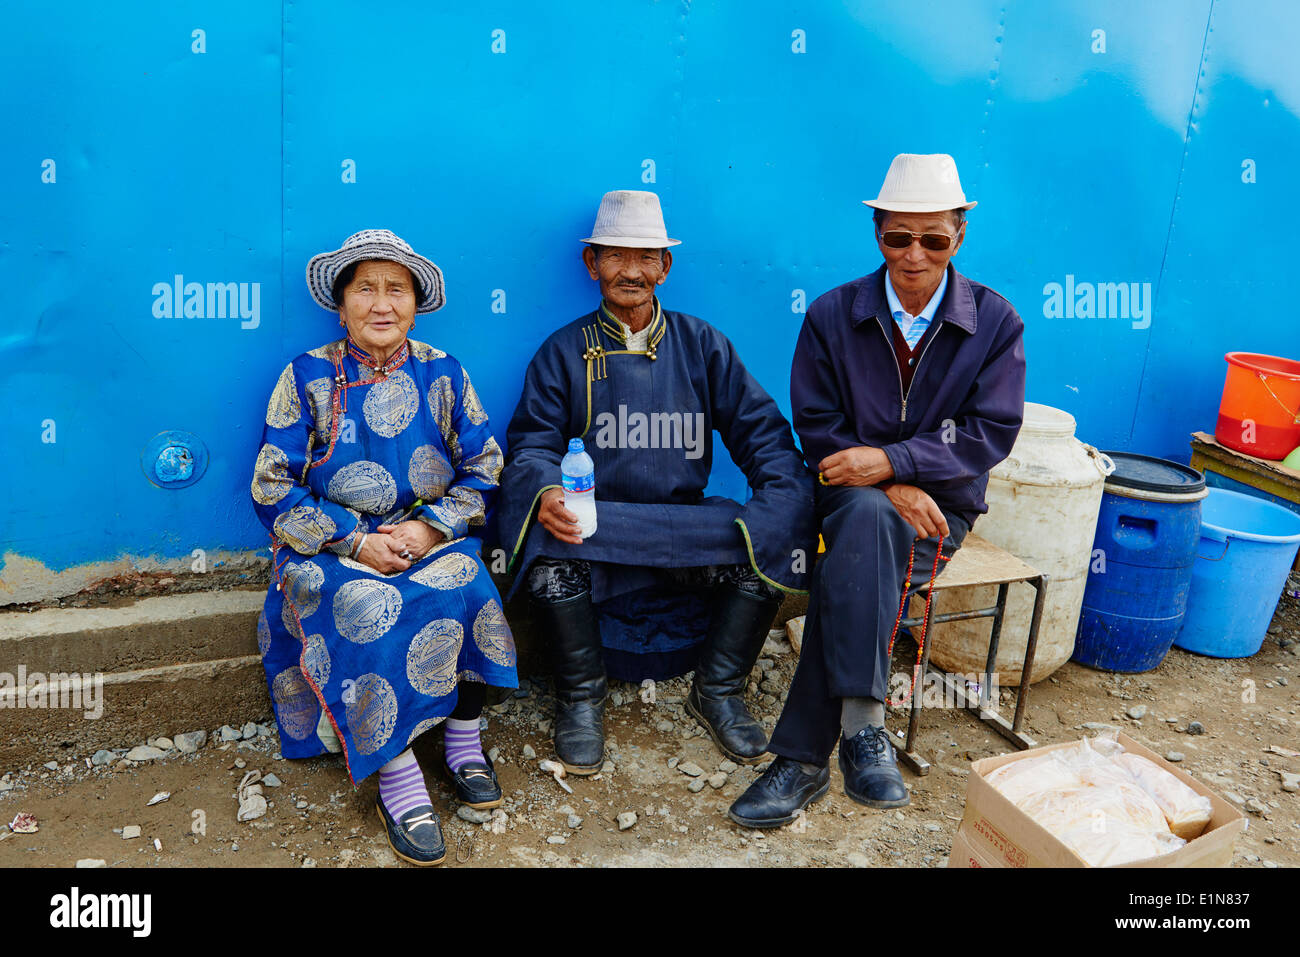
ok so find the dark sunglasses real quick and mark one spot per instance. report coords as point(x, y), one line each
point(901, 239)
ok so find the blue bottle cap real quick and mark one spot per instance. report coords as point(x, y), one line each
point(575, 445)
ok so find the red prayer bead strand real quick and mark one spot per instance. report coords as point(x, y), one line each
point(925, 619)
point(276, 545)
point(339, 395)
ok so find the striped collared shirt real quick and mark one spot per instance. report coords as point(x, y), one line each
point(913, 327)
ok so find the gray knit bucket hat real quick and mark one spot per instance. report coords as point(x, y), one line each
point(380, 244)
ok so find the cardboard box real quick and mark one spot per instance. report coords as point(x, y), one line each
point(996, 833)
point(965, 854)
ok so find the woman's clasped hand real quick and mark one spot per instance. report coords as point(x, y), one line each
point(395, 548)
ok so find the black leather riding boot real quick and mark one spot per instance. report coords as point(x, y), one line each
point(736, 634)
point(580, 686)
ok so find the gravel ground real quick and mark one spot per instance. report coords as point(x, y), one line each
point(649, 806)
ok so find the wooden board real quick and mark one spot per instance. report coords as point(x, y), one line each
point(979, 562)
point(1209, 455)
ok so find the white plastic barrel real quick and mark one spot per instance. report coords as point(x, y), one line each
point(1043, 501)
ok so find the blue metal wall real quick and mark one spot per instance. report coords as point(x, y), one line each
point(1110, 142)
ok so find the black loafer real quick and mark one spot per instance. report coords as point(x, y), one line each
point(418, 838)
point(476, 784)
point(778, 796)
point(871, 774)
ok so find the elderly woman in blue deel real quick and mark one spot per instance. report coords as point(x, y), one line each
point(376, 470)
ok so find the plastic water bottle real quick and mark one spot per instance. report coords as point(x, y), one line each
point(578, 476)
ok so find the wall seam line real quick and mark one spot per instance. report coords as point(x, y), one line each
point(1173, 212)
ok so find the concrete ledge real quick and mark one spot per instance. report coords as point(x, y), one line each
point(148, 633)
point(134, 705)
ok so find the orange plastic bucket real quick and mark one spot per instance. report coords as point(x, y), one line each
point(1260, 411)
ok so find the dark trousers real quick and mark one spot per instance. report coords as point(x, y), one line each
point(852, 606)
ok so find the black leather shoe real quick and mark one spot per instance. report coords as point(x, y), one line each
point(717, 698)
point(418, 838)
point(476, 784)
point(871, 775)
point(778, 796)
point(580, 686)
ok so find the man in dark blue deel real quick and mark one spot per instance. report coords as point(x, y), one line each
point(907, 386)
point(672, 579)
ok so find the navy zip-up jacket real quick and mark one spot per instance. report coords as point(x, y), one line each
point(959, 417)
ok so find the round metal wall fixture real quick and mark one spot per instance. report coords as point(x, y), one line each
point(174, 459)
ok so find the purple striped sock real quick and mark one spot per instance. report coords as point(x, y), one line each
point(401, 785)
point(461, 741)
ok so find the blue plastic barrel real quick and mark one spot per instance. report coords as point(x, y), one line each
point(1246, 549)
point(1142, 558)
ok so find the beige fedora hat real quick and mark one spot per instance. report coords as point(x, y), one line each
point(921, 183)
point(632, 218)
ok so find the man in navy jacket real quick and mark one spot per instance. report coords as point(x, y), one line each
point(907, 387)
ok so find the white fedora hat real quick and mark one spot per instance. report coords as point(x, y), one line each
point(381, 244)
point(921, 183)
point(630, 217)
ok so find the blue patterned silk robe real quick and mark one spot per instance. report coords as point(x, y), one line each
point(355, 657)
